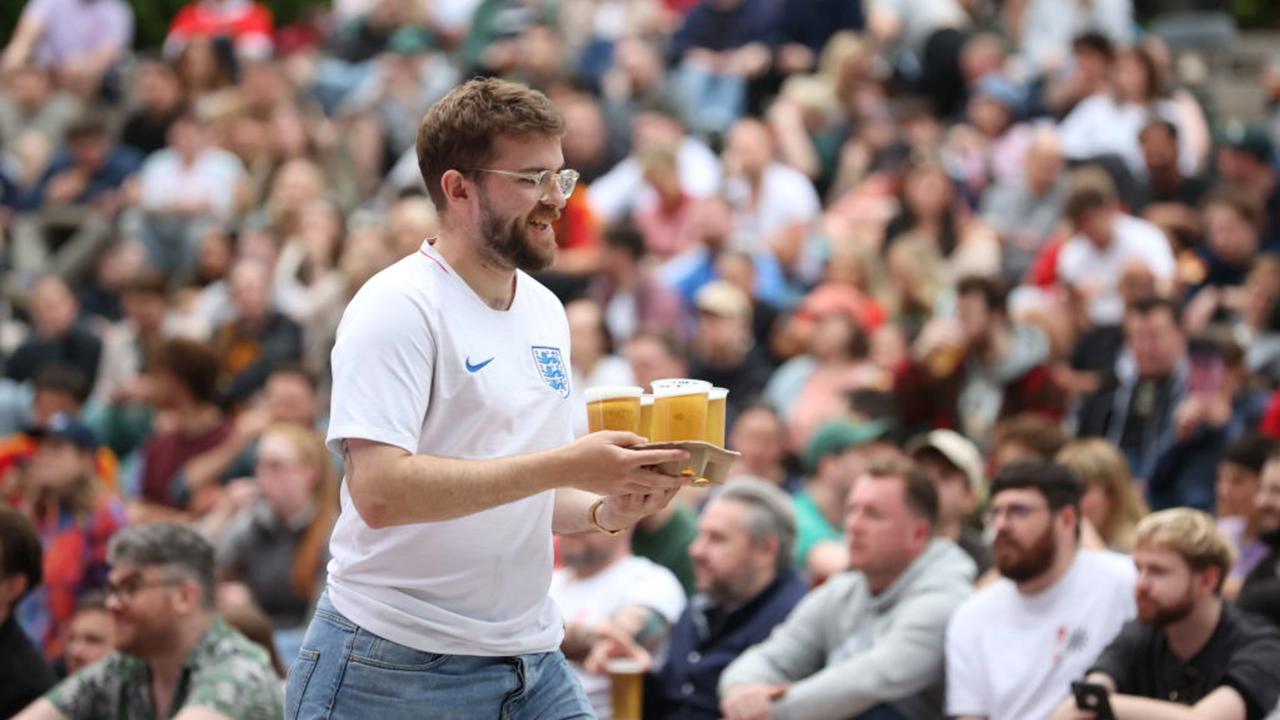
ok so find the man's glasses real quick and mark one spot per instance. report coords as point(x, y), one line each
point(1013, 512)
point(566, 180)
point(126, 589)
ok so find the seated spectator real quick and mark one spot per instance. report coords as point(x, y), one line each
point(73, 204)
point(954, 465)
point(979, 368)
point(760, 437)
point(1246, 159)
point(592, 359)
point(183, 379)
point(1015, 647)
point(248, 25)
point(1189, 646)
point(24, 676)
point(172, 649)
point(1171, 194)
point(654, 355)
point(128, 344)
point(91, 634)
point(632, 297)
point(257, 340)
point(665, 536)
point(724, 352)
point(284, 532)
point(1025, 437)
point(158, 93)
point(80, 41)
point(191, 181)
point(742, 560)
point(832, 466)
point(1112, 503)
point(1106, 242)
point(75, 517)
point(34, 105)
point(720, 48)
point(605, 591)
point(58, 337)
point(1236, 491)
point(869, 640)
point(1027, 210)
point(1261, 591)
point(1135, 403)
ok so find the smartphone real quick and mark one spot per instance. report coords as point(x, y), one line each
point(1208, 367)
point(1094, 698)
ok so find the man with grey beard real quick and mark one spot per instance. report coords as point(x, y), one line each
point(1014, 648)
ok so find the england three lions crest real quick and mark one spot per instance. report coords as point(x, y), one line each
point(552, 368)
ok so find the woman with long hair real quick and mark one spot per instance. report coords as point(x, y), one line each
point(1111, 502)
point(284, 533)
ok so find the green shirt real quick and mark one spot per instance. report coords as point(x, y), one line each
point(811, 527)
point(668, 546)
point(225, 672)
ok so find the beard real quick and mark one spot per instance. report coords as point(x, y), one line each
point(1270, 535)
point(1020, 564)
point(1153, 613)
point(509, 241)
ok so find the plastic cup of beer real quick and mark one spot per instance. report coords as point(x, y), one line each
point(626, 678)
point(614, 408)
point(715, 416)
point(646, 415)
point(679, 409)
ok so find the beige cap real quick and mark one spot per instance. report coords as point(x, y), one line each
point(721, 298)
point(957, 449)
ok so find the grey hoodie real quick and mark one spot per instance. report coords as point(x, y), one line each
point(844, 650)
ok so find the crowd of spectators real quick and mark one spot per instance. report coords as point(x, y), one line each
point(994, 287)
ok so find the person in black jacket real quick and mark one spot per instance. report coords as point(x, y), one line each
point(58, 338)
point(24, 676)
point(1261, 591)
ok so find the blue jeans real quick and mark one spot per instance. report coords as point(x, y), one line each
point(344, 671)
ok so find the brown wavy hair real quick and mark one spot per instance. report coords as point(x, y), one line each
point(310, 555)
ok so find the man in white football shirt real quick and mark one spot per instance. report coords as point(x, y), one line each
point(451, 409)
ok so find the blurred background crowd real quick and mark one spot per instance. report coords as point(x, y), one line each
point(1049, 227)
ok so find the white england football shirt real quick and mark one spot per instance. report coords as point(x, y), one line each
point(422, 363)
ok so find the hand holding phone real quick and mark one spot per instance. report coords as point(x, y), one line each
point(1094, 698)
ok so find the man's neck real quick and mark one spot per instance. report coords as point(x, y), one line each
point(749, 592)
point(1189, 635)
point(197, 418)
point(166, 665)
point(1165, 179)
point(949, 528)
point(879, 582)
point(1062, 564)
point(829, 500)
point(493, 283)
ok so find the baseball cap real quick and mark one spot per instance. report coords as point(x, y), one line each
point(956, 449)
point(1002, 90)
point(1249, 139)
point(837, 436)
point(64, 426)
point(723, 299)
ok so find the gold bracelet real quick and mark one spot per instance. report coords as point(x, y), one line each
point(591, 517)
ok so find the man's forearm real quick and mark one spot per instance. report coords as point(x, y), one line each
point(572, 506)
point(389, 486)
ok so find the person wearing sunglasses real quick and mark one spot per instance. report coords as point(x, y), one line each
point(174, 657)
point(452, 409)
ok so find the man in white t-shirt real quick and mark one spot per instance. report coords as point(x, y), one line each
point(451, 407)
point(1014, 648)
point(1107, 242)
point(604, 589)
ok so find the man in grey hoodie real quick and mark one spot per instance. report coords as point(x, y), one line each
point(869, 643)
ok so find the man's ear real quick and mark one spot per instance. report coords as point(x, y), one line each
point(190, 596)
point(456, 186)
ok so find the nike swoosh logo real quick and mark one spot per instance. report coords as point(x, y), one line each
point(478, 366)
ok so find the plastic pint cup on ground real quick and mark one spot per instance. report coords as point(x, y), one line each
point(626, 678)
point(614, 408)
point(679, 409)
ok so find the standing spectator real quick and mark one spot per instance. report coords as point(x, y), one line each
point(24, 676)
point(75, 517)
point(870, 640)
point(604, 590)
point(1189, 646)
point(173, 651)
point(1015, 647)
point(1112, 503)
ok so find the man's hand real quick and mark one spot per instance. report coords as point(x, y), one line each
point(621, 511)
point(66, 186)
point(613, 643)
point(751, 702)
point(605, 463)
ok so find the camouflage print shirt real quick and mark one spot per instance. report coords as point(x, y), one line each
point(225, 672)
